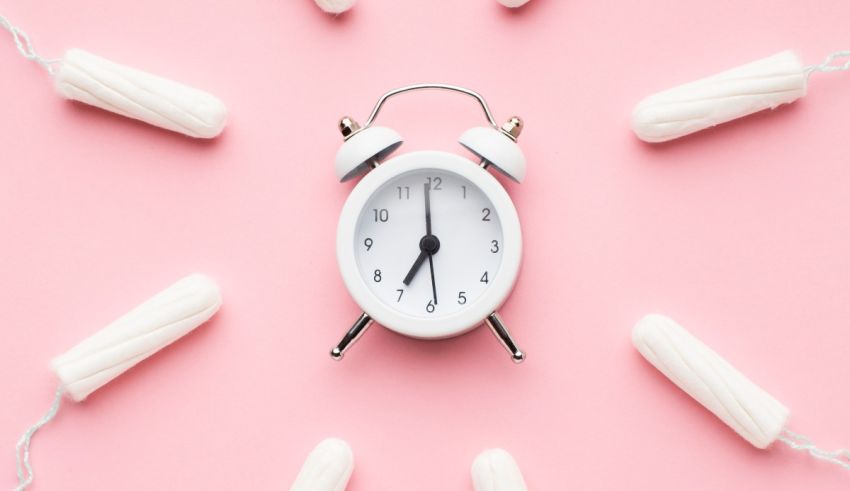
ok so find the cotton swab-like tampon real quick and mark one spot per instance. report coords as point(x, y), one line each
point(335, 6)
point(496, 470)
point(762, 84)
point(688, 108)
point(340, 6)
point(330, 464)
point(87, 78)
point(84, 77)
point(151, 326)
point(513, 3)
point(327, 468)
point(753, 413)
point(704, 375)
point(143, 331)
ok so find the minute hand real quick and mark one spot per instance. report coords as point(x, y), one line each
point(429, 235)
point(427, 208)
point(433, 283)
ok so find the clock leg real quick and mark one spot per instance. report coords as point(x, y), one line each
point(494, 322)
point(353, 334)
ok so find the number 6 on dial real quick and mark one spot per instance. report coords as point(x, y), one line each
point(429, 243)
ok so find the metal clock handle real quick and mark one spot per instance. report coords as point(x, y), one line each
point(411, 88)
point(349, 127)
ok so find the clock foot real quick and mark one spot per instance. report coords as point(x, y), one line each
point(353, 334)
point(494, 322)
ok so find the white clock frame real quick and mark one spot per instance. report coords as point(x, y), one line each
point(438, 326)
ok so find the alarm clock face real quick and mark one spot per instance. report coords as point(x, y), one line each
point(429, 244)
point(422, 273)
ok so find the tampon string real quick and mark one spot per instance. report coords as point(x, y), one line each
point(799, 442)
point(25, 48)
point(22, 449)
point(828, 66)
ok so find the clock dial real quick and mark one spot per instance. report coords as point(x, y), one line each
point(428, 243)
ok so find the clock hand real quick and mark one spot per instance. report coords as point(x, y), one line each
point(429, 244)
point(416, 265)
point(423, 243)
point(433, 283)
point(427, 208)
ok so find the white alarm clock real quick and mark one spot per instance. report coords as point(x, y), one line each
point(429, 243)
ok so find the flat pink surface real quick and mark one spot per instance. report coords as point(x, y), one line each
point(742, 234)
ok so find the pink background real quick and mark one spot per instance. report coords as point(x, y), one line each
point(742, 234)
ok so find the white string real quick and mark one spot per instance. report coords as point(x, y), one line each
point(827, 65)
point(25, 48)
point(22, 449)
point(799, 442)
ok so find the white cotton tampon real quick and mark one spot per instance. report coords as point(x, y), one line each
point(335, 6)
point(135, 94)
point(704, 375)
point(340, 6)
point(327, 468)
point(143, 331)
point(763, 84)
point(496, 470)
point(513, 3)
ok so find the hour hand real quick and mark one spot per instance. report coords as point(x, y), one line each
point(416, 265)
